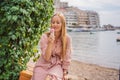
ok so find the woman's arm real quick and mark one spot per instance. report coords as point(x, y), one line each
point(46, 44)
point(48, 52)
point(67, 60)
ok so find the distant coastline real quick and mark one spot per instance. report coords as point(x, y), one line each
point(90, 29)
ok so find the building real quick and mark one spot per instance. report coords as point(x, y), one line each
point(77, 18)
point(60, 5)
point(94, 19)
point(71, 19)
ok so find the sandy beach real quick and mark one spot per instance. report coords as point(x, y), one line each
point(84, 71)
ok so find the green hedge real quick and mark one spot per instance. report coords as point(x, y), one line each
point(21, 24)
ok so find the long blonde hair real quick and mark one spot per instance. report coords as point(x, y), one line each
point(63, 34)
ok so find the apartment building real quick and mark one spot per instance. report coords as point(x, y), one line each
point(60, 5)
point(76, 17)
point(93, 19)
point(71, 18)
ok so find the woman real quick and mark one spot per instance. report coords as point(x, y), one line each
point(56, 52)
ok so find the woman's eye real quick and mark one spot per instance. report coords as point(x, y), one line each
point(58, 22)
point(55, 22)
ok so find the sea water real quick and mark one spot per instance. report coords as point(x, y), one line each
point(99, 48)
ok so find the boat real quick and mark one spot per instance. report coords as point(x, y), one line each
point(69, 29)
point(118, 32)
point(118, 39)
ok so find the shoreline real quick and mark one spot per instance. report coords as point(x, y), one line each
point(85, 71)
point(100, 63)
point(94, 64)
point(88, 71)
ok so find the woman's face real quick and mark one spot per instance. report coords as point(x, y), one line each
point(56, 23)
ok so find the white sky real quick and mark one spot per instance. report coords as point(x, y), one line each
point(108, 10)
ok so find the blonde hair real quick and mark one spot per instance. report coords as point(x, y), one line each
point(63, 34)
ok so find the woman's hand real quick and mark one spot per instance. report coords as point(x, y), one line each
point(51, 36)
point(65, 75)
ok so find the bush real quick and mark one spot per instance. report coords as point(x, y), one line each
point(21, 24)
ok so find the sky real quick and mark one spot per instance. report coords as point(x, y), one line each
point(108, 10)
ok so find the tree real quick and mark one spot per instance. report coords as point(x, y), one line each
point(21, 24)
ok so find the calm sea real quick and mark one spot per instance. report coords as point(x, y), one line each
point(99, 48)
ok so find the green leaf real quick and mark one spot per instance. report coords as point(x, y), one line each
point(13, 37)
point(9, 17)
point(14, 18)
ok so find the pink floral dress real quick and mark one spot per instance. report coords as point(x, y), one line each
point(54, 67)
